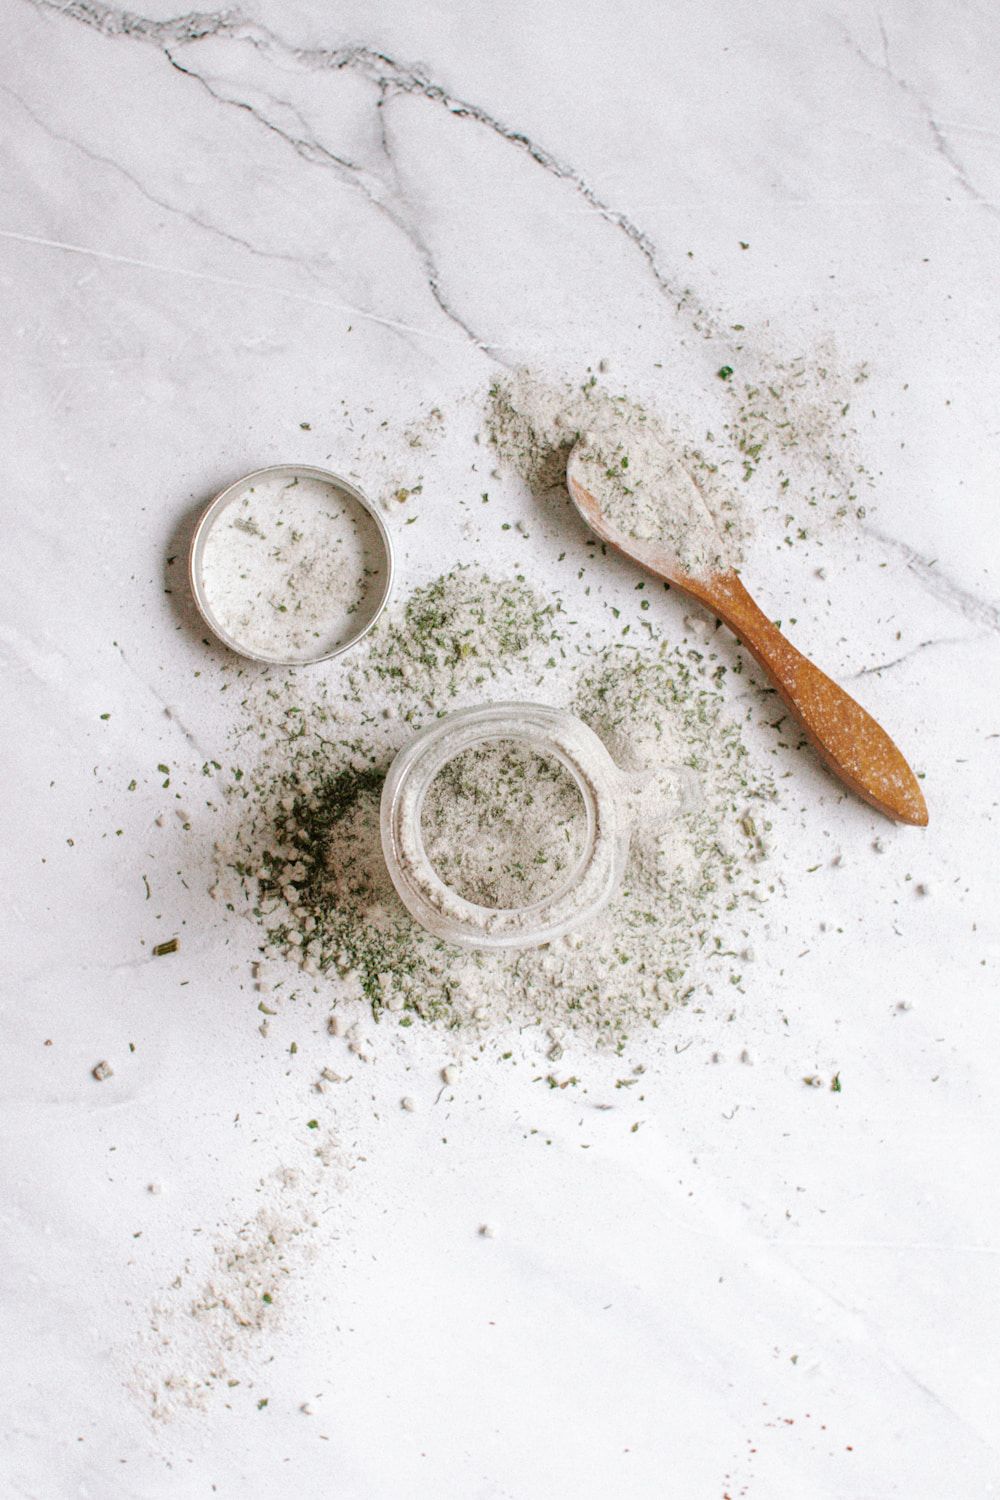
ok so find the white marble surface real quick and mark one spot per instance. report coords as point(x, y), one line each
point(216, 228)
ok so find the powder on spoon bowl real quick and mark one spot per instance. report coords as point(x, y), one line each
point(644, 490)
point(290, 565)
point(649, 484)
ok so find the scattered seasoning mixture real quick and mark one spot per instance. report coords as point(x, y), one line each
point(781, 462)
point(502, 825)
point(301, 855)
point(205, 1327)
point(290, 565)
point(648, 484)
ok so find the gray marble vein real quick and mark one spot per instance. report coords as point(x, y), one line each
point(936, 131)
point(388, 77)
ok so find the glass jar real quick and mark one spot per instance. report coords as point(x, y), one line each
point(589, 885)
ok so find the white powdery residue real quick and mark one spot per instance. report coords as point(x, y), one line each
point(791, 432)
point(651, 485)
point(291, 567)
point(206, 1329)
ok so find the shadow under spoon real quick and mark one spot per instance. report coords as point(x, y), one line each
point(845, 737)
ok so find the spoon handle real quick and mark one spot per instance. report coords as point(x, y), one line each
point(844, 736)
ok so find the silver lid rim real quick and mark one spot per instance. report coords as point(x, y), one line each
point(207, 519)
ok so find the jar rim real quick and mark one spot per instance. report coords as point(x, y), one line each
point(441, 909)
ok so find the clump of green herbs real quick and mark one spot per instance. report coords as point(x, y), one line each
point(323, 881)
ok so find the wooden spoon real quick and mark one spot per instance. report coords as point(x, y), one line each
point(844, 736)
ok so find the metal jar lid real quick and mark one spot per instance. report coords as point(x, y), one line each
point(374, 581)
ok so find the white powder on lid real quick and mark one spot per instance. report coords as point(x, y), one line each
point(292, 568)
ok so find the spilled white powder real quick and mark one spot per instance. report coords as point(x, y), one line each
point(504, 826)
point(300, 857)
point(293, 568)
point(651, 485)
point(210, 1326)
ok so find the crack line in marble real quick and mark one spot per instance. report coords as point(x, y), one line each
point(937, 582)
point(887, 666)
point(942, 145)
point(409, 228)
point(216, 279)
point(315, 152)
point(172, 208)
point(170, 712)
point(389, 76)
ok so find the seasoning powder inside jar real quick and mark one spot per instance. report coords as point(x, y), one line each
point(503, 825)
